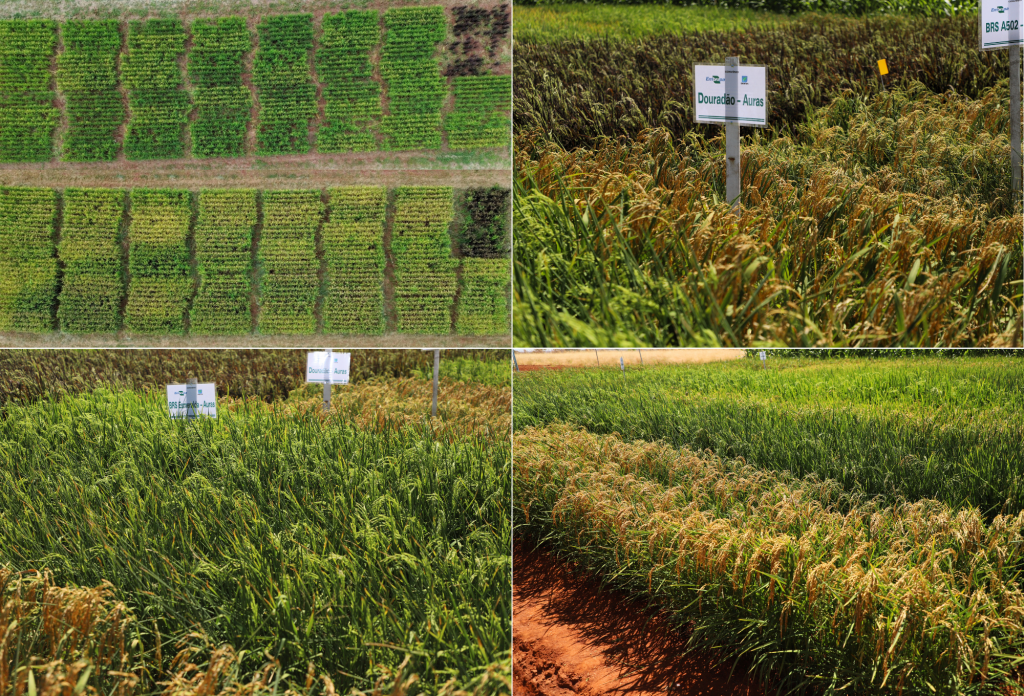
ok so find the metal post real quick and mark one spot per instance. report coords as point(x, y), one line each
point(597, 357)
point(437, 369)
point(191, 398)
point(641, 354)
point(733, 179)
point(327, 383)
point(515, 363)
point(622, 365)
point(1015, 118)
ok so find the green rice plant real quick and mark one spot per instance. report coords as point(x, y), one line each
point(275, 531)
point(819, 591)
point(352, 108)
point(903, 429)
point(28, 115)
point(289, 282)
point(28, 267)
point(575, 92)
point(483, 297)
point(282, 75)
point(87, 79)
point(416, 90)
point(883, 221)
point(222, 102)
point(425, 280)
point(93, 282)
point(353, 246)
point(160, 285)
point(223, 251)
point(158, 103)
point(481, 114)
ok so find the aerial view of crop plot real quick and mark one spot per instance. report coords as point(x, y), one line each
point(782, 173)
point(826, 522)
point(271, 544)
point(408, 265)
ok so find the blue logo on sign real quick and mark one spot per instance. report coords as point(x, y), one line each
point(743, 79)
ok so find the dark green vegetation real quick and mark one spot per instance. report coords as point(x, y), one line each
point(87, 78)
point(326, 547)
point(222, 102)
point(868, 218)
point(908, 429)
point(284, 84)
point(298, 59)
point(28, 115)
point(269, 375)
point(232, 262)
point(156, 100)
point(819, 518)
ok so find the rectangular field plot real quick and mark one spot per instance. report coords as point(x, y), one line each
point(28, 267)
point(90, 250)
point(87, 78)
point(483, 297)
point(416, 89)
point(351, 96)
point(353, 243)
point(481, 115)
point(282, 75)
point(424, 266)
point(156, 100)
point(289, 270)
point(28, 115)
point(158, 261)
point(223, 103)
point(223, 250)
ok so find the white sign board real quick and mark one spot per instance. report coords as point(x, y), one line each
point(762, 355)
point(317, 369)
point(999, 24)
point(730, 95)
point(204, 405)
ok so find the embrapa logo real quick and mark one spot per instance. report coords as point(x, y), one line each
point(1000, 9)
point(714, 78)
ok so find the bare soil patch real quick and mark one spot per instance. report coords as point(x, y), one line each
point(570, 636)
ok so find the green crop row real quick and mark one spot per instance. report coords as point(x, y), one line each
point(28, 266)
point(351, 97)
point(223, 103)
point(283, 78)
point(353, 243)
point(93, 285)
point(289, 270)
point(223, 248)
point(158, 104)
point(483, 297)
point(158, 261)
point(481, 115)
point(416, 90)
point(87, 77)
point(425, 280)
point(27, 112)
point(163, 232)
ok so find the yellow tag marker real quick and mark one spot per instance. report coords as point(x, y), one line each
point(883, 69)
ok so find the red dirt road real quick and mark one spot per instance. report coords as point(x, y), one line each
point(571, 637)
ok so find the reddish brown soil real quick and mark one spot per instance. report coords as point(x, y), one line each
point(570, 636)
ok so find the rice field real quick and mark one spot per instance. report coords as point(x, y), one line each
point(841, 524)
point(275, 549)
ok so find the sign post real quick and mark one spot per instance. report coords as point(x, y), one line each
point(733, 96)
point(191, 400)
point(999, 27)
point(437, 369)
point(327, 367)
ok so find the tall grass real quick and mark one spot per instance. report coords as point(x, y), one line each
point(883, 221)
point(283, 533)
point(822, 592)
point(908, 429)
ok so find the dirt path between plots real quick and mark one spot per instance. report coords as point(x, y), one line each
point(571, 637)
point(589, 357)
point(390, 340)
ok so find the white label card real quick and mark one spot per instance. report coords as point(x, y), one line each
point(762, 355)
point(730, 95)
point(317, 369)
point(999, 24)
point(204, 405)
